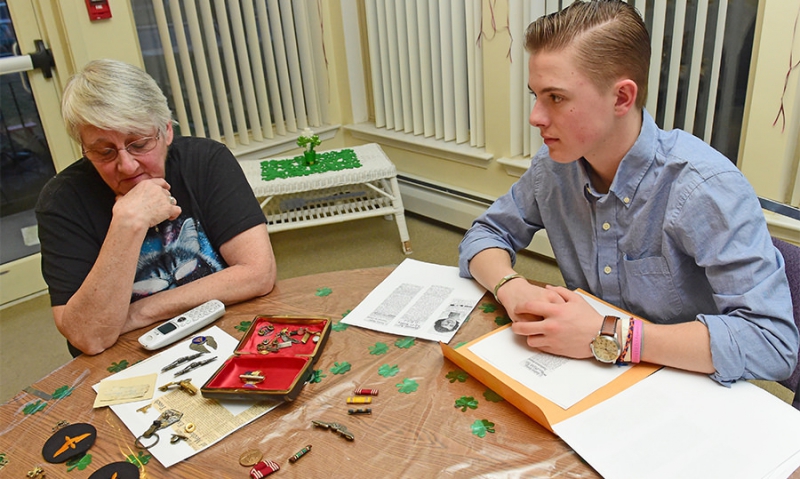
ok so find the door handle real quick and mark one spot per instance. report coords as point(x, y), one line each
point(42, 59)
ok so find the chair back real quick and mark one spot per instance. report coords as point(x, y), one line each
point(791, 256)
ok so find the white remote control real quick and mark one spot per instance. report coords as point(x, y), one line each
point(182, 325)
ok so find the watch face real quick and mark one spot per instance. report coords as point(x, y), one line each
point(605, 349)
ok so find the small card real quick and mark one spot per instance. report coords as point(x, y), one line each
point(139, 388)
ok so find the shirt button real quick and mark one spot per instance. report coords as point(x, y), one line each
point(606, 226)
point(607, 270)
point(626, 200)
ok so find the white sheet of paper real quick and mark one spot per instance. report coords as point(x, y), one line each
point(679, 424)
point(412, 300)
point(138, 422)
point(563, 381)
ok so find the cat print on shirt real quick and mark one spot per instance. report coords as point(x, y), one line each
point(175, 253)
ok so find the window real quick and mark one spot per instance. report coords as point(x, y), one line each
point(244, 72)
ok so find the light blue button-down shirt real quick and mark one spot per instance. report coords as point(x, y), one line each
point(680, 236)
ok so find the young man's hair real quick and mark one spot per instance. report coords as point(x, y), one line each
point(610, 38)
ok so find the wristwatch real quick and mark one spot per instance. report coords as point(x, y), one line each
point(605, 346)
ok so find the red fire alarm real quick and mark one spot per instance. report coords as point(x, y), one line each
point(98, 9)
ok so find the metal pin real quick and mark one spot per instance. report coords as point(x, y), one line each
point(360, 411)
point(300, 453)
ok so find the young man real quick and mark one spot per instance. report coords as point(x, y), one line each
point(657, 223)
point(147, 225)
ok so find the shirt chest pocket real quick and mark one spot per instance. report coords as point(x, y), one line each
point(649, 290)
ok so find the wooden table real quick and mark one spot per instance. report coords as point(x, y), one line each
point(420, 434)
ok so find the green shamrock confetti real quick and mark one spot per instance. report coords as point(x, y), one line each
point(117, 367)
point(378, 349)
point(459, 344)
point(62, 392)
point(80, 462)
point(465, 402)
point(457, 375)
point(243, 326)
point(481, 427)
point(141, 460)
point(492, 396)
point(316, 376)
point(346, 313)
point(323, 291)
point(388, 371)
point(408, 386)
point(404, 343)
point(339, 326)
point(502, 320)
point(340, 368)
point(3, 460)
point(488, 308)
point(34, 407)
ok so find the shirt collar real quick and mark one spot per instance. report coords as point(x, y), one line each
point(632, 168)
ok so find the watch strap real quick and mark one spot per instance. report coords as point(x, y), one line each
point(609, 327)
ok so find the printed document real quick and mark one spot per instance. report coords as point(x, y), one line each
point(563, 381)
point(420, 300)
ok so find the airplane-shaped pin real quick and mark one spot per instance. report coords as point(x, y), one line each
point(70, 443)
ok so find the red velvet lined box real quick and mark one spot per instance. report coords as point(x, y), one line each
point(259, 368)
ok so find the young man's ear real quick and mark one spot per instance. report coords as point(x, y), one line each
point(626, 91)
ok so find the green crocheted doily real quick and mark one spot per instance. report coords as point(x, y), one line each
point(292, 167)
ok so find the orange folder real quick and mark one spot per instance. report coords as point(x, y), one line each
point(537, 407)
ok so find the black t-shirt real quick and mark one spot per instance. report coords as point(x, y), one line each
point(75, 208)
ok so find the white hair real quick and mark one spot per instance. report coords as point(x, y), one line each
point(113, 95)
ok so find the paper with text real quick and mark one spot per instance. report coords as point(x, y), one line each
point(563, 381)
point(213, 419)
point(420, 300)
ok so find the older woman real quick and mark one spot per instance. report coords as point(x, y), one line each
point(147, 224)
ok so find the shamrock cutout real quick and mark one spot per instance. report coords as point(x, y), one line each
point(492, 396)
point(465, 402)
point(457, 375)
point(459, 344)
point(488, 308)
point(117, 367)
point(34, 407)
point(346, 313)
point(481, 427)
point(62, 392)
point(321, 292)
point(340, 368)
point(316, 376)
point(404, 343)
point(141, 460)
point(388, 371)
point(378, 349)
point(502, 320)
point(339, 326)
point(408, 386)
point(243, 326)
point(81, 462)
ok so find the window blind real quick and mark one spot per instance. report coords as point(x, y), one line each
point(426, 68)
point(242, 71)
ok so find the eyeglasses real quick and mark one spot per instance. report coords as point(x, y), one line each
point(135, 148)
